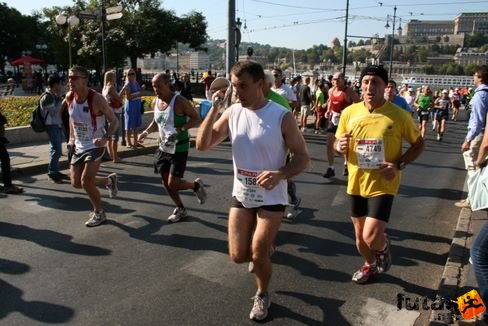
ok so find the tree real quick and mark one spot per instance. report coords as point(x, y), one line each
point(428, 69)
point(18, 33)
point(138, 33)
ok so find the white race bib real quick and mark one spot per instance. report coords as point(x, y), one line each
point(82, 132)
point(247, 190)
point(370, 153)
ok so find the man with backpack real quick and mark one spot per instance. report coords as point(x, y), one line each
point(88, 111)
point(50, 104)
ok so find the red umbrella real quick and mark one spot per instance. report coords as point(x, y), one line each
point(25, 60)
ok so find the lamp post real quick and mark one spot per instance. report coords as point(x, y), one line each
point(238, 37)
point(392, 40)
point(72, 21)
point(42, 48)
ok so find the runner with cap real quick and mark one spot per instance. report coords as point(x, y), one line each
point(370, 134)
point(340, 96)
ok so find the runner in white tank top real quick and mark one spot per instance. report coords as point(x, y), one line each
point(261, 132)
point(88, 136)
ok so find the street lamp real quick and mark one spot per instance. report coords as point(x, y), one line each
point(392, 40)
point(42, 49)
point(238, 37)
point(72, 21)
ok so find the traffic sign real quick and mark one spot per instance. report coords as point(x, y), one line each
point(88, 14)
point(113, 10)
point(114, 16)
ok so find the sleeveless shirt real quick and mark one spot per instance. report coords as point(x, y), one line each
point(257, 145)
point(85, 129)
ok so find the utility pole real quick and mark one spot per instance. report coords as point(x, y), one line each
point(392, 41)
point(344, 47)
point(102, 23)
point(231, 37)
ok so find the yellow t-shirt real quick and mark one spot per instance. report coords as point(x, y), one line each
point(387, 125)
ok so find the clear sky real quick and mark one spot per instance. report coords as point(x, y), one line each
point(301, 24)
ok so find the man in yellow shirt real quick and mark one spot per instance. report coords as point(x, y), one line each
point(370, 133)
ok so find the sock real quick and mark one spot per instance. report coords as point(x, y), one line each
point(386, 246)
point(331, 167)
point(196, 186)
point(373, 264)
point(180, 206)
point(109, 182)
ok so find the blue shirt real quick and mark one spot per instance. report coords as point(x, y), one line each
point(400, 101)
point(479, 108)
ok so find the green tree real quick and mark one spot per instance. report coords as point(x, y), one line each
point(17, 33)
point(428, 69)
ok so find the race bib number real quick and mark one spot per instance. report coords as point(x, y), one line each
point(247, 189)
point(424, 112)
point(370, 153)
point(168, 145)
point(82, 132)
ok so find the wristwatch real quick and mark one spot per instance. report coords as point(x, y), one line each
point(400, 165)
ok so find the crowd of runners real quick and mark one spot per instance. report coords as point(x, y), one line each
point(265, 118)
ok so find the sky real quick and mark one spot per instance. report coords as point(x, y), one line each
point(301, 24)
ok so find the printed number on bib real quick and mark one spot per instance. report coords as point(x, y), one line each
point(247, 189)
point(370, 153)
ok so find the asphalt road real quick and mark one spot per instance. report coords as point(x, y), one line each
point(139, 270)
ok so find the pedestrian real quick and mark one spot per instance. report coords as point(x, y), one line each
point(370, 134)
point(115, 102)
point(424, 104)
point(443, 104)
point(132, 108)
point(88, 111)
point(340, 97)
point(392, 96)
point(50, 104)
point(260, 131)
point(476, 124)
point(173, 117)
point(8, 186)
point(207, 80)
point(306, 103)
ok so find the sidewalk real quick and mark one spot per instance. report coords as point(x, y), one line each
point(458, 276)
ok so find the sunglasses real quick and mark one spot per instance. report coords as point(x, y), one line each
point(75, 77)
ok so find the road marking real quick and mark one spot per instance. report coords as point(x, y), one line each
point(340, 198)
point(217, 268)
point(376, 312)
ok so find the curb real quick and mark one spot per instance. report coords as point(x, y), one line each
point(456, 260)
point(40, 166)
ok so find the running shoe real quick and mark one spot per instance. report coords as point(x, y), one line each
point(96, 218)
point(201, 193)
point(364, 273)
point(464, 203)
point(329, 174)
point(260, 307)
point(294, 209)
point(113, 188)
point(54, 178)
point(383, 258)
point(178, 214)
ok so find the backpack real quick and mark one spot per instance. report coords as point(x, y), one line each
point(91, 94)
point(38, 120)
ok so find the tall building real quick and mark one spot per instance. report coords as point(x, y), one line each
point(471, 22)
point(464, 23)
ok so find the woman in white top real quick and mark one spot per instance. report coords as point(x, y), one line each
point(115, 102)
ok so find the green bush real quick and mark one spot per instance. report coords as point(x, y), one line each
point(18, 110)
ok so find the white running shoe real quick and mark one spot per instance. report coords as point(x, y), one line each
point(178, 214)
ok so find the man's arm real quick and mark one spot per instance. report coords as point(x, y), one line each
point(483, 151)
point(212, 131)
point(414, 151)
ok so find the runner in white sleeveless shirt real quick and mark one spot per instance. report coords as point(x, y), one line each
point(261, 131)
point(89, 138)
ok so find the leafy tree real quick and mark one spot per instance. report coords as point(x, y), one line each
point(428, 69)
point(475, 40)
point(469, 69)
